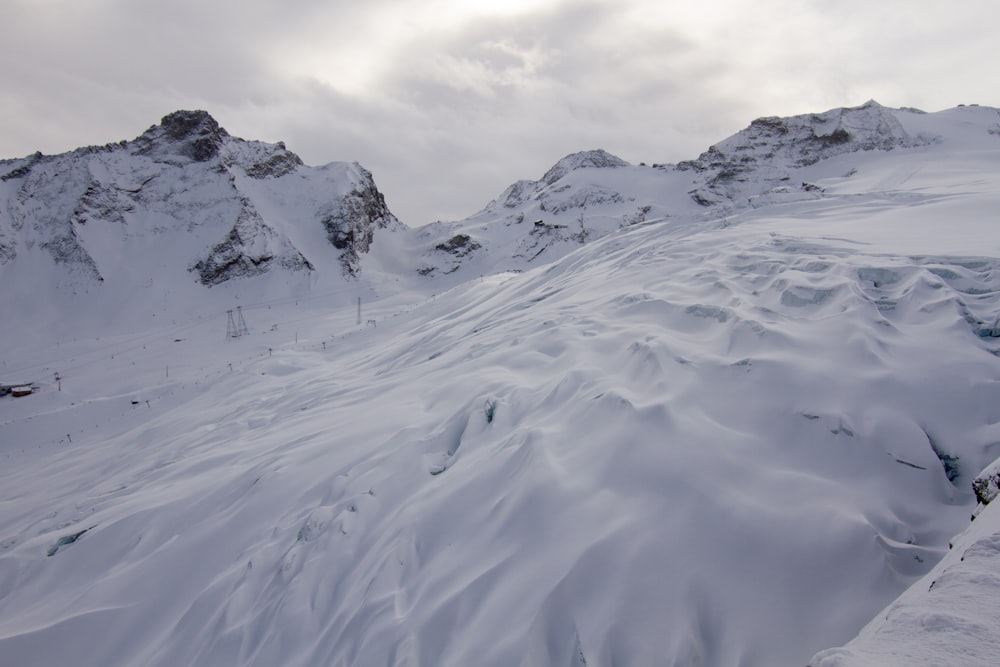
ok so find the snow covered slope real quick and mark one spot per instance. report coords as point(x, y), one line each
point(146, 224)
point(949, 617)
point(726, 435)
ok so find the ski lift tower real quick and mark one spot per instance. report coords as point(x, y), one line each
point(236, 326)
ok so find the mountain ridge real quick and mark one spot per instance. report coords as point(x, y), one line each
point(577, 199)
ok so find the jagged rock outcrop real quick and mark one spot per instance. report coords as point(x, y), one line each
point(103, 201)
point(986, 485)
point(350, 225)
point(193, 134)
point(18, 168)
point(250, 249)
point(458, 245)
point(276, 165)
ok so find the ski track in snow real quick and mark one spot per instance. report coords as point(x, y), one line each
point(713, 441)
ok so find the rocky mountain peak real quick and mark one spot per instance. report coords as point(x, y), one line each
point(194, 134)
point(180, 125)
point(585, 159)
point(223, 203)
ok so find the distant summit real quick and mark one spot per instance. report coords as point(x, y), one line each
point(189, 199)
point(195, 133)
point(599, 159)
point(770, 147)
point(519, 192)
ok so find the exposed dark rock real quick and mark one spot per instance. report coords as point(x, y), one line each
point(194, 134)
point(459, 245)
point(838, 136)
point(702, 199)
point(24, 169)
point(101, 202)
point(351, 226)
point(66, 249)
point(275, 166)
point(250, 249)
point(986, 485)
point(7, 251)
point(183, 124)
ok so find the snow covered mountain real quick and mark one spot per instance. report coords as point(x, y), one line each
point(588, 195)
point(581, 198)
point(765, 157)
point(184, 203)
point(726, 430)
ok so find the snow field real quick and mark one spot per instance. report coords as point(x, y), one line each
point(619, 457)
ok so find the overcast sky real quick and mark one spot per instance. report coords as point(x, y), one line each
point(448, 101)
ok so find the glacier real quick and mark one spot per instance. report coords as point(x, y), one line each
point(721, 412)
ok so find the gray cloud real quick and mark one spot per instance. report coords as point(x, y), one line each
point(448, 102)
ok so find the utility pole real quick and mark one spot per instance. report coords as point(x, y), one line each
point(359, 311)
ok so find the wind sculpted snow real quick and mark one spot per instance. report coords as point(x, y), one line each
point(701, 439)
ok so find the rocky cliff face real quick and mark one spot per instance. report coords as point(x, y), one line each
point(188, 177)
point(351, 223)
